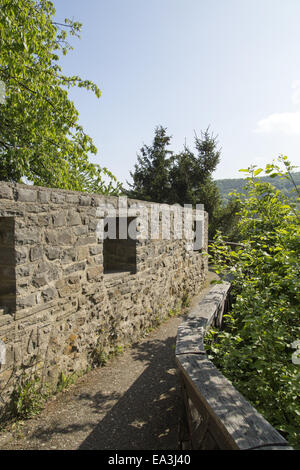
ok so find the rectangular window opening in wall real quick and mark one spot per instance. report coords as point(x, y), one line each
point(7, 266)
point(198, 228)
point(119, 245)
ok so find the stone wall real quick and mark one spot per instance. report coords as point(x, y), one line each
point(58, 309)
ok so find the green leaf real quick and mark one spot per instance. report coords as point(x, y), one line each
point(40, 135)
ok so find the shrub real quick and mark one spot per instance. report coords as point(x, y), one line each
point(255, 347)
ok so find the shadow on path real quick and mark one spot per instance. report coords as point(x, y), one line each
point(146, 416)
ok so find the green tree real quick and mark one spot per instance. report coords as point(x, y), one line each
point(151, 172)
point(40, 136)
point(254, 349)
point(191, 175)
point(183, 178)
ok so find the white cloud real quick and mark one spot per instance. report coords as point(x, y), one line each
point(284, 123)
point(287, 123)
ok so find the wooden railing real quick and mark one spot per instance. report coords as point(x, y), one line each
point(217, 416)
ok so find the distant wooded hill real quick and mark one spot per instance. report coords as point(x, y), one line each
point(226, 186)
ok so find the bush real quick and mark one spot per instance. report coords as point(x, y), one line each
point(255, 348)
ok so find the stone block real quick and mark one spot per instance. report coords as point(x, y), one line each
point(68, 255)
point(74, 268)
point(44, 220)
point(44, 196)
point(39, 280)
point(26, 195)
point(52, 252)
point(36, 253)
point(82, 253)
point(74, 218)
point(72, 198)
point(80, 230)
point(94, 273)
point(96, 249)
point(49, 294)
point(28, 236)
point(21, 254)
point(6, 192)
point(64, 238)
point(51, 237)
point(90, 240)
point(85, 200)
point(27, 301)
point(59, 220)
point(57, 198)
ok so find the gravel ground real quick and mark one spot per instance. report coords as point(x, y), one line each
point(133, 403)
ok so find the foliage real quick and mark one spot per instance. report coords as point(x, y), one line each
point(150, 176)
point(28, 398)
point(227, 186)
point(41, 139)
point(254, 348)
point(64, 381)
point(190, 175)
point(225, 219)
point(99, 356)
point(183, 178)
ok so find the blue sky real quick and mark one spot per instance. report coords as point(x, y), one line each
point(233, 65)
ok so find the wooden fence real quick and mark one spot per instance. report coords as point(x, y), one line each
point(217, 416)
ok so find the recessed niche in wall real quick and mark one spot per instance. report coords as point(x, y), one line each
point(7, 266)
point(198, 227)
point(119, 246)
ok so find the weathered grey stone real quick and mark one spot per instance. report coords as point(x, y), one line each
point(36, 253)
point(6, 192)
point(49, 294)
point(96, 249)
point(28, 301)
point(39, 280)
point(26, 195)
point(80, 230)
point(74, 218)
point(44, 220)
point(83, 252)
point(52, 252)
point(65, 237)
point(86, 240)
point(57, 198)
point(21, 254)
point(43, 196)
point(56, 265)
point(59, 219)
point(74, 268)
point(28, 237)
point(72, 198)
point(94, 273)
point(85, 200)
point(68, 255)
point(51, 237)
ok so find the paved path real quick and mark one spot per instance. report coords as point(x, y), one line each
point(133, 403)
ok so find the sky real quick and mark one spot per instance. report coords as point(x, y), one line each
point(230, 65)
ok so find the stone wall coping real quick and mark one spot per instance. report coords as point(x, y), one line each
point(225, 415)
